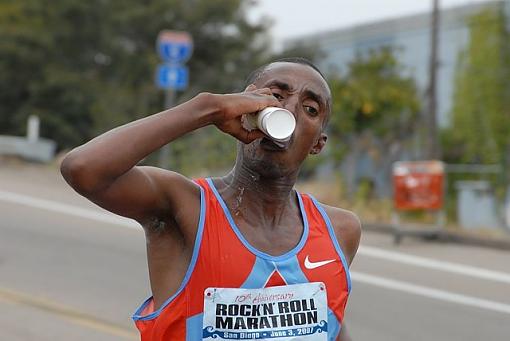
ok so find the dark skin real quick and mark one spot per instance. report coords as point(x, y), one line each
point(167, 204)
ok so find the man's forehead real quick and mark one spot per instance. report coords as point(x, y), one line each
point(294, 73)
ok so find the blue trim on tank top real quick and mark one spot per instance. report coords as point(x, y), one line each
point(198, 240)
point(194, 325)
point(334, 239)
point(251, 248)
point(260, 273)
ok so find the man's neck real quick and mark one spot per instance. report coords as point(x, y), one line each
point(258, 198)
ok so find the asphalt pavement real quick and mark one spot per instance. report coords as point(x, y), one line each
point(70, 271)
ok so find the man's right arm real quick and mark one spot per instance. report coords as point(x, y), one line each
point(104, 170)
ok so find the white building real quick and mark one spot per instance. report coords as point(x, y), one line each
point(411, 35)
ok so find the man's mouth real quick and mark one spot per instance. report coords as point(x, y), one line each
point(268, 144)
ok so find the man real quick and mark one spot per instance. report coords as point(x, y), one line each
point(243, 256)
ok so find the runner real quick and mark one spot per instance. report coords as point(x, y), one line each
point(243, 256)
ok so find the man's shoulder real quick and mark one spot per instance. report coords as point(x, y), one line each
point(180, 194)
point(342, 219)
point(347, 227)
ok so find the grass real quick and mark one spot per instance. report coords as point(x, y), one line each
point(332, 192)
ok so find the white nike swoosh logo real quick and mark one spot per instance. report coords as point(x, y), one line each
point(312, 265)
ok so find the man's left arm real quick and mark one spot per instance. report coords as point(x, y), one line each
point(347, 228)
point(344, 335)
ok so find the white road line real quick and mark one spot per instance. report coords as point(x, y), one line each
point(50, 205)
point(423, 262)
point(430, 293)
point(67, 313)
point(369, 251)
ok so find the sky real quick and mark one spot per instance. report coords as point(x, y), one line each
point(298, 17)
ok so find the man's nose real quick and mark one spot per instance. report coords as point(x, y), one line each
point(292, 104)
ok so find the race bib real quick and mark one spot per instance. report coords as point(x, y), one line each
point(284, 313)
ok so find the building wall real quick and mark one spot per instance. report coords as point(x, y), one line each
point(411, 36)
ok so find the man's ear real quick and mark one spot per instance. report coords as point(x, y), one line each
point(321, 142)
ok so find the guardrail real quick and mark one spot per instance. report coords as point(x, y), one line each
point(40, 150)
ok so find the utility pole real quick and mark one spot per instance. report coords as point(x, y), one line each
point(431, 138)
point(174, 48)
point(164, 153)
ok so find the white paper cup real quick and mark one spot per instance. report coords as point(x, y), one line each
point(277, 123)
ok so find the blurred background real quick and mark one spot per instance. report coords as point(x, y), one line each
point(419, 147)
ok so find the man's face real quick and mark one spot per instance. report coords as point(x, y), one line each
point(301, 90)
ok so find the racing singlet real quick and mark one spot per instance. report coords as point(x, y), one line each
point(232, 291)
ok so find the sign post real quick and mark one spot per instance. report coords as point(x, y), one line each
point(174, 48)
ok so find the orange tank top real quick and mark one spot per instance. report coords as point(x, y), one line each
point(223, 258)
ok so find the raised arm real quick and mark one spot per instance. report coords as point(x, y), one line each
point(104, 170)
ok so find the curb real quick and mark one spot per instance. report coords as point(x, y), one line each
point(439, 235)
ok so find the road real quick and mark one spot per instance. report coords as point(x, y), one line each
point(70, 271)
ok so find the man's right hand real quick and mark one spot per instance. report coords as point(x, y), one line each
point(232, 107)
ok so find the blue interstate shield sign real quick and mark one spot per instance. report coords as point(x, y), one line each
point(170, 76)
point(174, 46)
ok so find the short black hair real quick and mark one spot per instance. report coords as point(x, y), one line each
point(257, 73)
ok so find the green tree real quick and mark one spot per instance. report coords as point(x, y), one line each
point(86, 66)
point(374, 111)
point(481, 102)
point(375, 98)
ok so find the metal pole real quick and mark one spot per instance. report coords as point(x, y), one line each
point(432, 142)
point(165, 152)
point(33, 128)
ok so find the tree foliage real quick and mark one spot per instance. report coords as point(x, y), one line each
point(373, 96)
point(481, 108)
point(87, 66)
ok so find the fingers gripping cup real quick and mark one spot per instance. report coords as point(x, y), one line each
point(277, 123)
